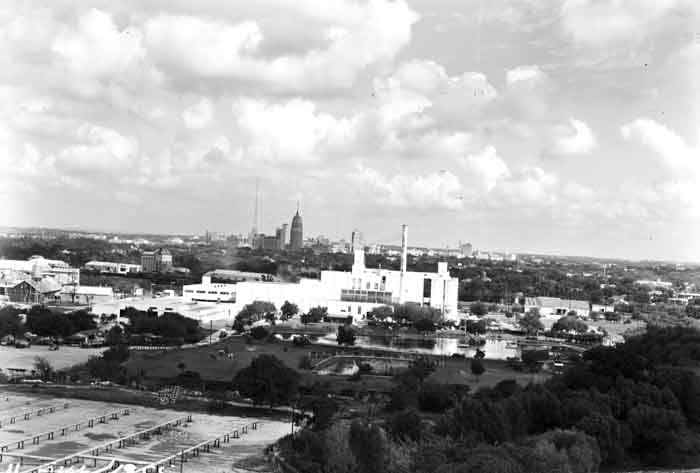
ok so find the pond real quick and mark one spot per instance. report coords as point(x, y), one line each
point(494, 349)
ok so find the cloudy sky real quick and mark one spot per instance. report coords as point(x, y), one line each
point(556, 126)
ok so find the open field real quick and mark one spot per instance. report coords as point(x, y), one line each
point(203, 427)
point(214, 367)
point(23, 358)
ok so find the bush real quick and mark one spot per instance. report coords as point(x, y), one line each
point(405, 425)
point(346, 335)
point(435, 398)
point(259, 333)
point(424, 325)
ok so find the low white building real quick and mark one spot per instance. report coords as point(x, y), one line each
point(113, 268)
point(658, 284)
point(552, 309)
point(86, 295)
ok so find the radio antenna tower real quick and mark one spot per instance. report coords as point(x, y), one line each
point(256, 215)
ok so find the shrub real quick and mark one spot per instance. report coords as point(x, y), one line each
point(259, 333)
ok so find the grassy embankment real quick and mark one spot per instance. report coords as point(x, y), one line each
point(212, 366)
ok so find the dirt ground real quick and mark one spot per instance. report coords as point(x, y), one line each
point(203, 427)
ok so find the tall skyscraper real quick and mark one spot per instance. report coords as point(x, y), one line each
point(296, 240)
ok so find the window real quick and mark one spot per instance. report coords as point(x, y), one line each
point(427, 287)
point(359, 310)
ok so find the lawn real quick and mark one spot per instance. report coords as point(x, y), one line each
point(459, 372)
point(212, 366)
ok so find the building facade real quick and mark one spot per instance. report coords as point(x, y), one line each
point(157, 261)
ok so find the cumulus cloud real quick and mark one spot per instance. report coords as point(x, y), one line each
point(671, 148)
point(524, 74)
point(373, 33)
point(199, 114)
point(599, 23)
point(99, 149)
point(574, 138)
point(487, 166)
point(440, 190)
point(290, 131)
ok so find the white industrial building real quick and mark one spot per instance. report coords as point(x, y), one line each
point(113, 268)
point(352, 293)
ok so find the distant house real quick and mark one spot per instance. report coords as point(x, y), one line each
point(31, 292)
point(602, 308)
point(87, 338)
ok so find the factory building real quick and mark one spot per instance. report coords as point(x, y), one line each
point(37, 268)
point(353, 293)
point(157, 261)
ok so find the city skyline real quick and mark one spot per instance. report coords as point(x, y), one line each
point(512, 124)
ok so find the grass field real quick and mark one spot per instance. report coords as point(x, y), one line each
point(213, 367)
point(23, 358)
point(202, 428)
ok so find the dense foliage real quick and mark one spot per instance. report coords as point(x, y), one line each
point(11, 322)
point(46, 323)
point(267, 381)
point(631, 406)
point(171, 327)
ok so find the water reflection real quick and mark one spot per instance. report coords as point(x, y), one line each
point(494, 349)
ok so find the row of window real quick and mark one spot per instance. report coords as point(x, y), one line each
point(223, 293)
point(375, 297)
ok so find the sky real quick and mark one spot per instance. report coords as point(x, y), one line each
point(552, 126)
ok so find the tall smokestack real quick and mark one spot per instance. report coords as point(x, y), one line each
point(404, 247)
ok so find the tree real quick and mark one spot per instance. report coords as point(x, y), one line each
point(369, 446)
point(413, 312)
point(314, 315)
point(405, 425)
point(267, 381)
point(530, 322)
point(114, 336)
point(424, 325)
point(346, 335)
point(259, 332)
point(43, 368)
point(477, 367)
point(11, 322)
point(289, 310)
point(479, 309)
point(255, 311)
point(381, 313)
point(570, 323)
